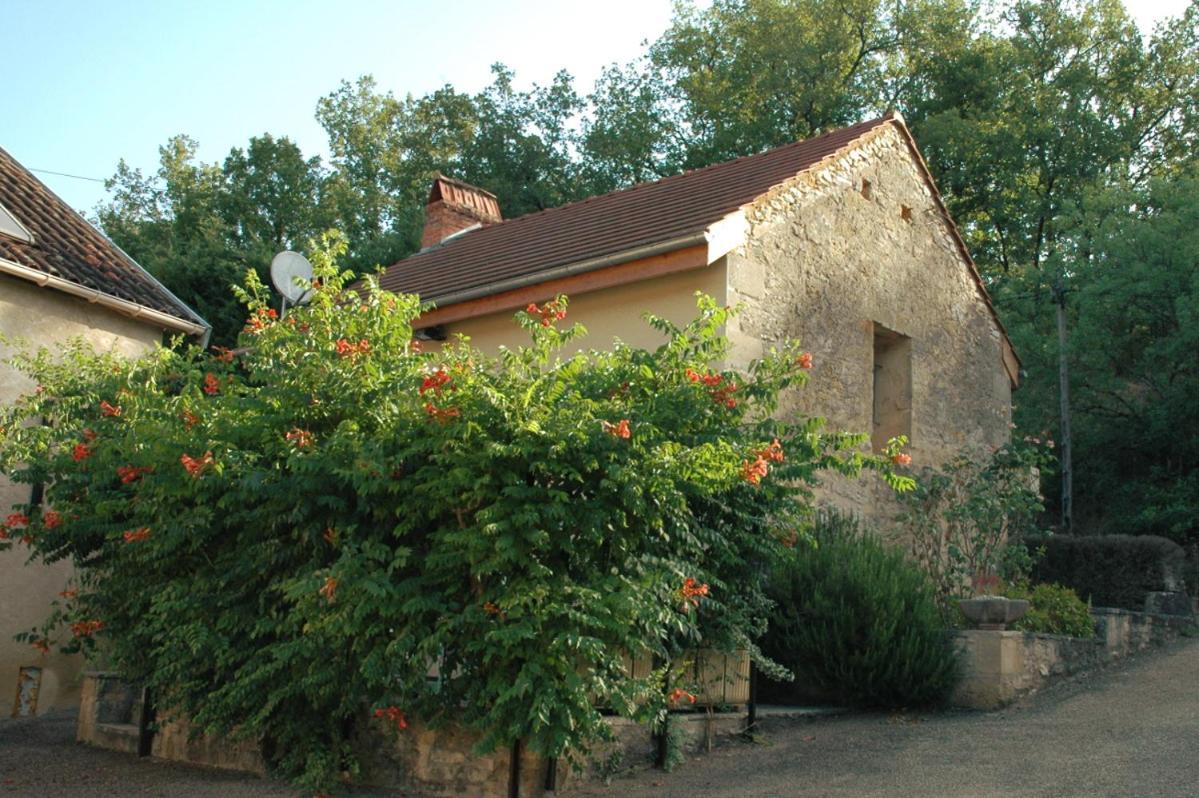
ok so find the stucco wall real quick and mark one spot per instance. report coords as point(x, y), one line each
point(611, 313)
point(828, 264)
point(45, 317)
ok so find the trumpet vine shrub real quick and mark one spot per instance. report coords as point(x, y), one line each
point(332, 530)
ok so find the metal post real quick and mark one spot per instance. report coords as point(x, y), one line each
point(514, 770)
point(1067, 447)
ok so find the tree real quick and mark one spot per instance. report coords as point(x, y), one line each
point(281, 543)
point(198, 227)
point(1134, 294)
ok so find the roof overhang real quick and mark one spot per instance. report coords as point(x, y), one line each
point(123, 306)
point(693, 251)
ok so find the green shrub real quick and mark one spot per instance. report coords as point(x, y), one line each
point(1053, 610)
point(859, 622)
point(280, 541)
point(1110, 570)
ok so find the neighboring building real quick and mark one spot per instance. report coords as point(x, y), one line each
point(842, 241)
point(60, 279)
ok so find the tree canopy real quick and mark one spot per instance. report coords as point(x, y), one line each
point(1038, 119)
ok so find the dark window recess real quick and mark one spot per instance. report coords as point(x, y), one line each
point(892, 387)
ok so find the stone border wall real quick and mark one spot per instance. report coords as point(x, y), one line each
point(999, 667)
point(436, 763)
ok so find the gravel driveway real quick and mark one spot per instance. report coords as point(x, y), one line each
point(1129, 731)
point(1132, 730)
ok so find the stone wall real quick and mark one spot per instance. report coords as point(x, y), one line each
point(838, 263)
point(45, 317)
point(1001, 666)
point(419, 760)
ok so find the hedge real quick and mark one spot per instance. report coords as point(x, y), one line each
point(1109, 570)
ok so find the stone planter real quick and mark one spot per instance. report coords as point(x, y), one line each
point(993, 613)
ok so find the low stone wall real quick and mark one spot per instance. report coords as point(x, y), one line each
point(999, 667)
point(435, 763)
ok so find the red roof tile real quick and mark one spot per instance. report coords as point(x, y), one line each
point(646, 214)
point(65, 245)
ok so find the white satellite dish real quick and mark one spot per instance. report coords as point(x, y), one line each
point(285, 268)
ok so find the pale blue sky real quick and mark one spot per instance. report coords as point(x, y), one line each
point(89, 83)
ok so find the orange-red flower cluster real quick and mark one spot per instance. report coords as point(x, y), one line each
point(441, 414)
point(691, 592)
point(901, 459)
point(329, 589)
point(212, 385)
point(89, 435)
point(16, 519)
point(350, 349)
point(223, 354)
point(69, 594)
point(109, 410)
point(80, 452)
point(491, 608)
point(773, 452)
point(135, 535)
point(549, 312)
point(330, 536)
point(129, 473)
point(804, 361)
point(195, 466)
point(435, 382)
point(261, 318)
point(42, 645)
point(51, 519)
point(721, 391)
point(300, 438)
point(86, 628)
point(190, 419)
point(753, 472)
point(619, 430)
point(394, 716)
point(678, 694)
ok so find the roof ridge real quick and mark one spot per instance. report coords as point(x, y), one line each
point(866, 124)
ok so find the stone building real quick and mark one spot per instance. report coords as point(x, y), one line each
point(841, 241)
point(59, 279)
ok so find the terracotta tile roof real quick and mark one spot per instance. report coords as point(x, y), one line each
point(66, 246)
point(645, 214)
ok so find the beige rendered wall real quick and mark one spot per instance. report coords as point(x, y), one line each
point(44, 317)
point(610, 313)
point(825, 263)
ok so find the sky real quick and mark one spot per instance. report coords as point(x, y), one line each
point(90, 83)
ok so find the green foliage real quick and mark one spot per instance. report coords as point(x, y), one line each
point(1135, 331)
point(1111, 570)
point(966, 520)
point(1052, 609)
point(280, 540)
point(858, 621)
point(1063, 139)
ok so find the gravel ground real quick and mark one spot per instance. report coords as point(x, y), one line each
point(1132, 730)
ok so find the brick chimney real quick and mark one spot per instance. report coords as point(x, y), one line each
point(455, 206)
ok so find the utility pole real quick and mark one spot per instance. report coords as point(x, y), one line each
point(1063, 376)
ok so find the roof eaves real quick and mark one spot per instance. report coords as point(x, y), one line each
point(569, 269)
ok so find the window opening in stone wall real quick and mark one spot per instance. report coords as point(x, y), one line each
point(892, 387)
point(905, 213)
point(866, 190)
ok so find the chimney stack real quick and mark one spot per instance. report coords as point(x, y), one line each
point(455, 206)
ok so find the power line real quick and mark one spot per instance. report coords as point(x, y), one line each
point(64, 174)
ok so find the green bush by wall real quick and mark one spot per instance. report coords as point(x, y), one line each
point(858, 622)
